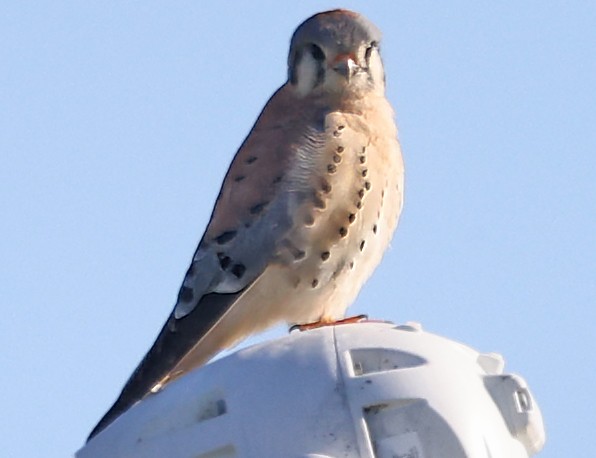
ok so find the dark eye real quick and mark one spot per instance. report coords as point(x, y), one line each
point(317, 53)
point(369, 50)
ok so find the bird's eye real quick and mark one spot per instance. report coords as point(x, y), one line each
point(369, 50)
point(317, 53)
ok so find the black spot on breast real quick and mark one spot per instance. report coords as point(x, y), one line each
point(351, 264)
point(364, 172)
point(239, 178)
point(238, 270)
point(362, 159)
point(359, 204)
point(314, 283)
point(336, 158)
point(296, 252)
point(318, 202)
point(337, 132)
point(325, 255)
point(362, 245)
point(331, 168)
point(224, 261)
point(340, 149)
point(309, 220)
point(325, 186)
point(225, 237)
point(351, 217)
point(375, 229)
point(367, 185)
point(251, 159)
point(185, 294)
point(361, 193)
point(343, 231)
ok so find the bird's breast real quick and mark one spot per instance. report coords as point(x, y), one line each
point(349, 190)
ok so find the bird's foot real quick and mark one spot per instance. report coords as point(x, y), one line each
point(328, 322)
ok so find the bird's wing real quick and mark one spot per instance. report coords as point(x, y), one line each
point(250, 217)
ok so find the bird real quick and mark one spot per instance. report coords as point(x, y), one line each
point(305, 212)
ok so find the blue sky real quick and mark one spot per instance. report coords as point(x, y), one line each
point(119, 119)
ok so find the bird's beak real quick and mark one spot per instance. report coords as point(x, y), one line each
point(345, 65)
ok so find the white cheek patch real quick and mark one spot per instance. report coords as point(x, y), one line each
point(375, 66)
point(306, 74)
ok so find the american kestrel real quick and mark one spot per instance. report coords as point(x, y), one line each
point(305, 212)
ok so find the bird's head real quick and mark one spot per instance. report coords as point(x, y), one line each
point(336, 52)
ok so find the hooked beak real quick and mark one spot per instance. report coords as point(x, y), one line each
point(345, 65)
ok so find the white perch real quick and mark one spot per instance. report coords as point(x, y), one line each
point(366, 390)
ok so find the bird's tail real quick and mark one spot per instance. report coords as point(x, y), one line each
point(175, 341)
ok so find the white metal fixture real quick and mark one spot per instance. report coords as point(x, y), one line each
point(366, 390)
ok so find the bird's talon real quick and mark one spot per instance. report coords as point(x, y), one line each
point(326, 322)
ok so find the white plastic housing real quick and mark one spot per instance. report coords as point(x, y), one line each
point(361, 390)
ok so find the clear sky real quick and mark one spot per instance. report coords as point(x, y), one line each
point(118, 121)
